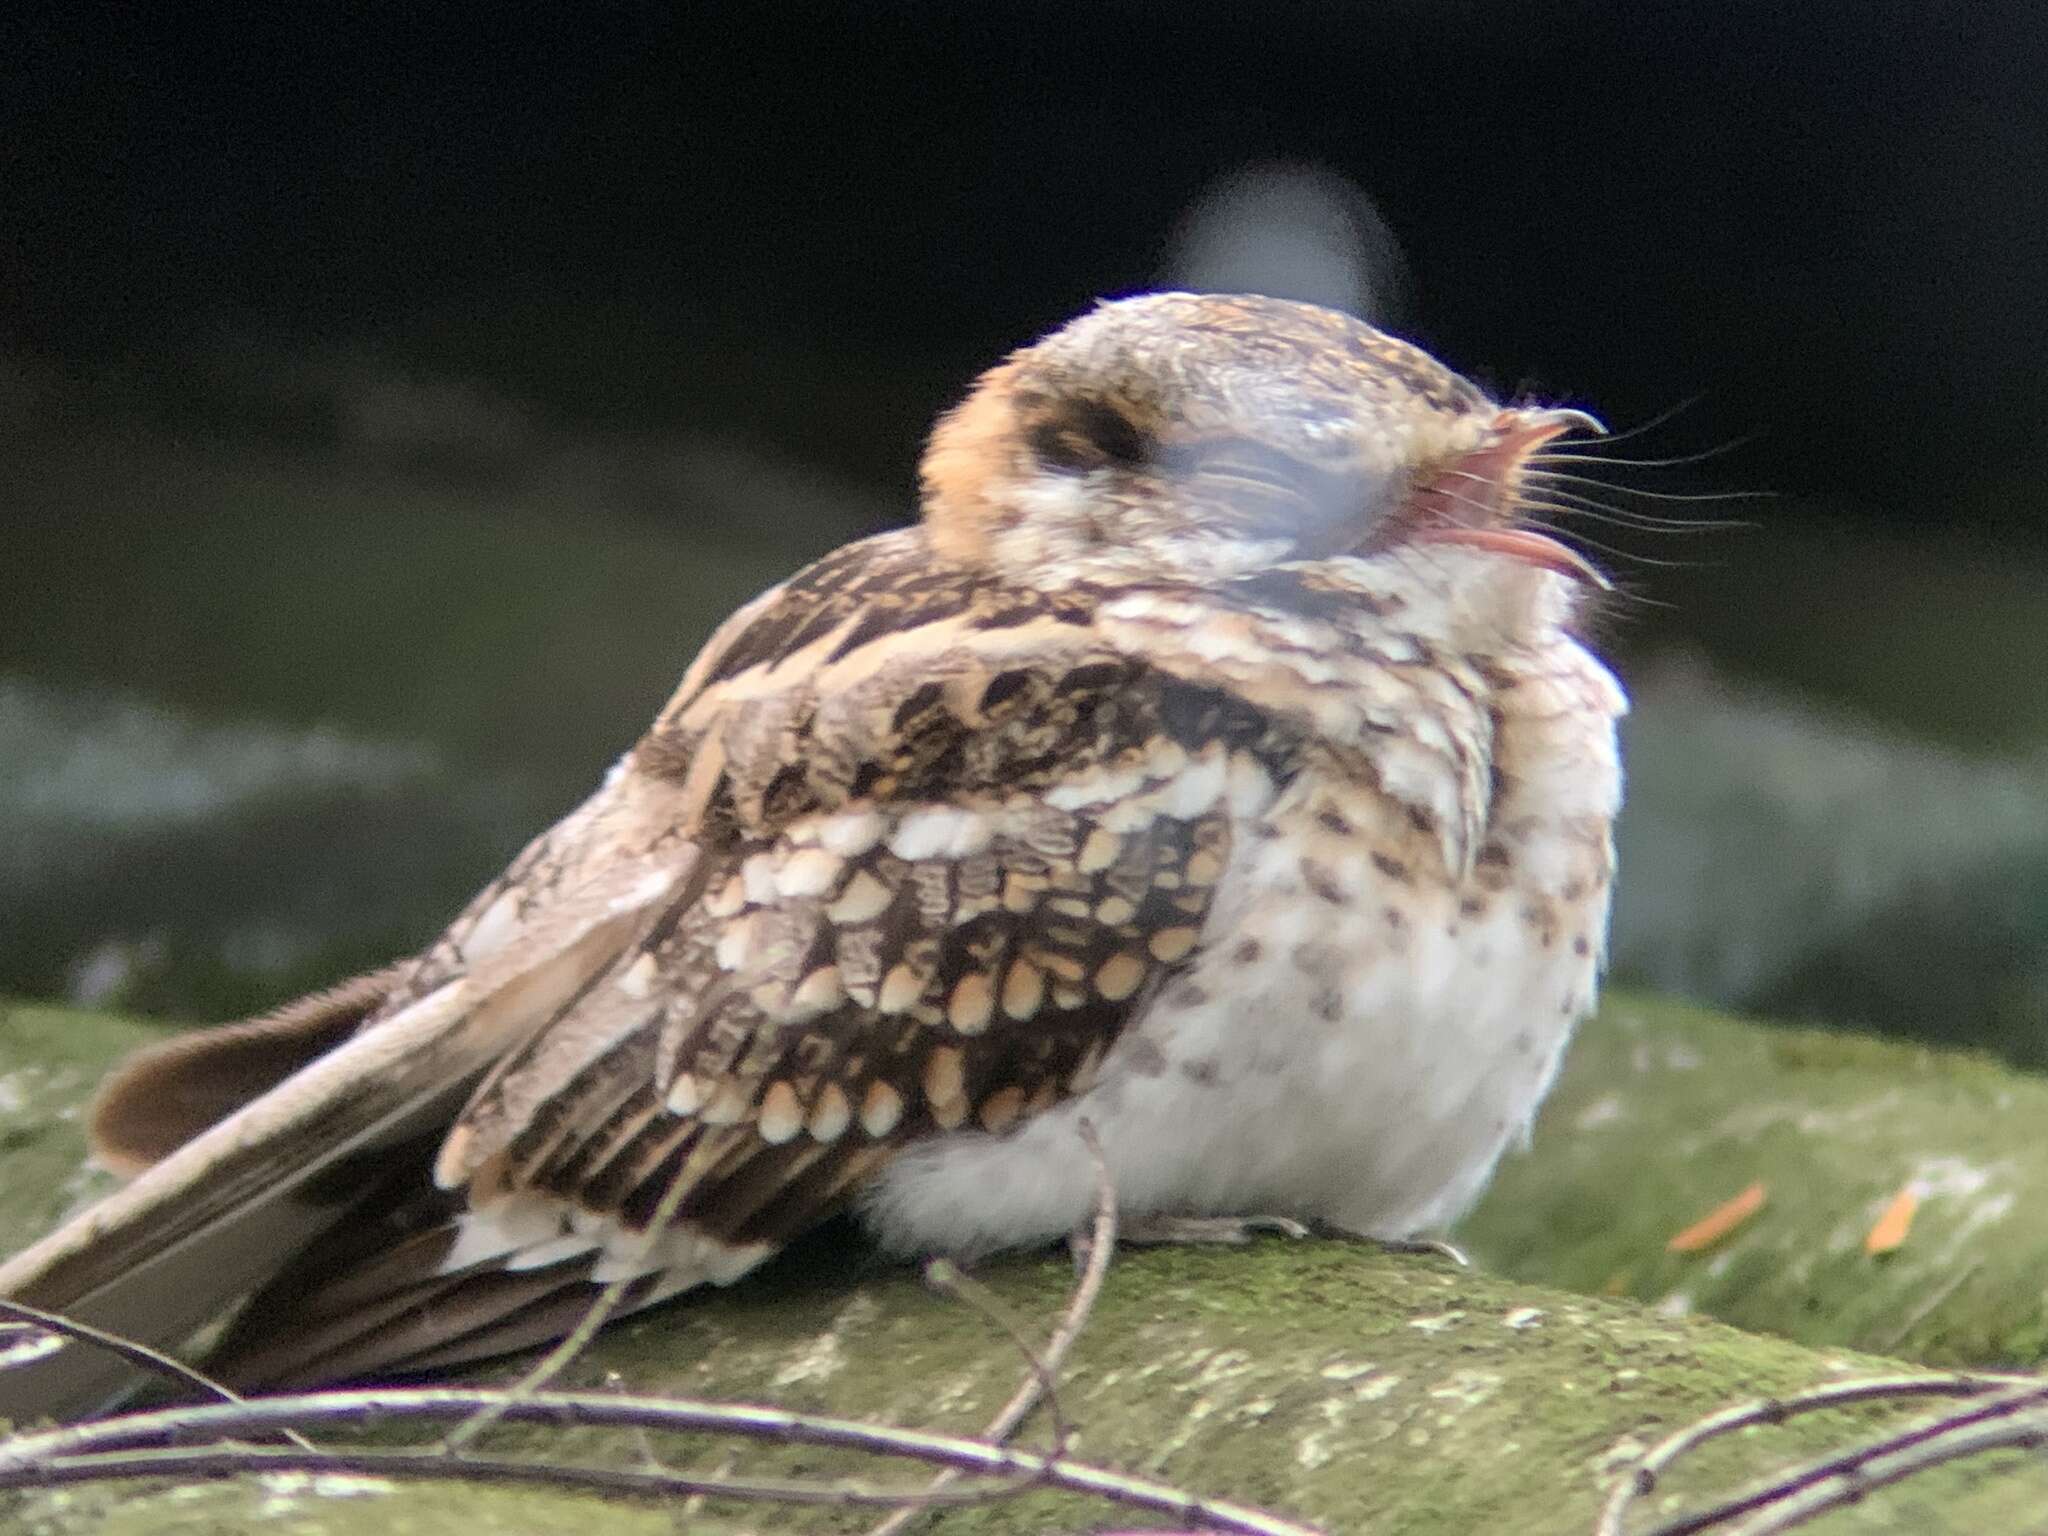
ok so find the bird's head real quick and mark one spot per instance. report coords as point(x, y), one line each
point(1198, 439)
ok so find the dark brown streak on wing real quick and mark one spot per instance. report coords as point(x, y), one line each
point(885, 583)
point(365, 1299)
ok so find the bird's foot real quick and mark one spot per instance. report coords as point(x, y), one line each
point(1434, 1246)
point(1147, 1230)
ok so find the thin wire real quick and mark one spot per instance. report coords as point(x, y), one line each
point(76, 1451)
point(577, 1339)
point(135, 1352)
point(1040, 1381)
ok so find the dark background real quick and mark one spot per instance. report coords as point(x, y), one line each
point(436, 380)
point(1830, 222)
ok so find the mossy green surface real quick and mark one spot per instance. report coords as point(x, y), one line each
point(1362, 1391)
point(1665, 1111)
point(50, 1059)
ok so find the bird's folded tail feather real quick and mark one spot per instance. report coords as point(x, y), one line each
point(165, 1094)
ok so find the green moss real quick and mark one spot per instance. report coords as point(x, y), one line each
point(1364, 1391)
point(1665, 1111)
point(1826, 1050)
point(50, 1059)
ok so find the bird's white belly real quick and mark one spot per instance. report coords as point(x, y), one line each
point(1358, 1043)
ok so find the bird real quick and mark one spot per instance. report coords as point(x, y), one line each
point(1218, 770)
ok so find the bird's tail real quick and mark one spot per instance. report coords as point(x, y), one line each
point(164, 1095)
point(227, 1193)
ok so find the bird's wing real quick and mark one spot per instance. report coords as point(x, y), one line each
point(904, 854)
point(950, 843)
point(218, 1215)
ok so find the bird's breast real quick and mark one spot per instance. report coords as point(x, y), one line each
point(1370, 1025)
point(1367, 1033)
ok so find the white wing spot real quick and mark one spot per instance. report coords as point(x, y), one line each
point(758, 872)
point(863, 898)
point(940, 832)
point(685, 1095)
point(1249, 788)
point(637, 980)
point(852, 833)
point(494, 929)
point(808, 872)
point(1194, 790)
point(647, 888)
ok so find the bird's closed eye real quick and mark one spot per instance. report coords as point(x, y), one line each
point(1274, 493)
point(1080, 435)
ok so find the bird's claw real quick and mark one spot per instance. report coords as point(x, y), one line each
point(1436, 1247)
point(1209, 1229)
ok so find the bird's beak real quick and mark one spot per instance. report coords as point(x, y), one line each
point(1471, 501)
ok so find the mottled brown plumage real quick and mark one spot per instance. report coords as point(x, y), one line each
point(1215, 693)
